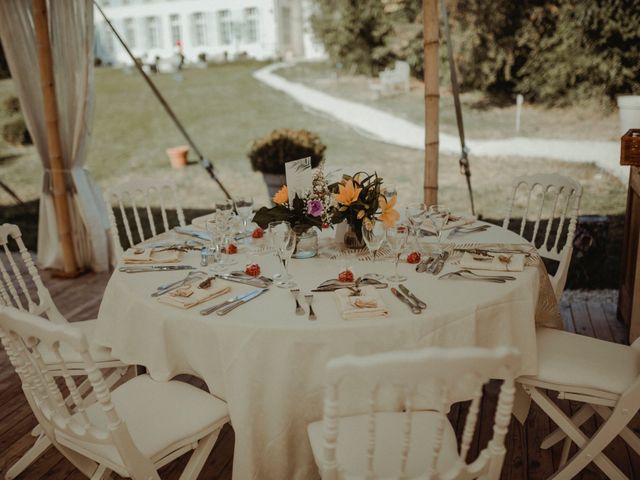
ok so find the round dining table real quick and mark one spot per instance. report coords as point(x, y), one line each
point(267, 362)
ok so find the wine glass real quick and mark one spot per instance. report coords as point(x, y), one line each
point(415, 216)
point(389, 191)
point(283, 239)
point(244, 207)
point(397, 237)
point(213, 227)
point(439, 216)
point(373, 235)
point(225, 206)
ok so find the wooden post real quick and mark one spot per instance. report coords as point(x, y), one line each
point(60, 201)
point(431, 100)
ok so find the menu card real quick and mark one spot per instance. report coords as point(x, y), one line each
point(299, 174)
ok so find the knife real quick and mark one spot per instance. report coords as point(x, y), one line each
point(411, 296)
point(155, 268)
point(175, 285)
point(208, 310)
point(252, 281)
point(242, 301)
point(414, 308)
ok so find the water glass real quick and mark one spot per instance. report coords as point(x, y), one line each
point(397, 237)
point(374, 238)
point(283, 239)
point(415, 216)
point(244, 207)
point(439, 216)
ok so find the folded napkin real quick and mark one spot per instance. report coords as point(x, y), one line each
point(454, 222)
point(190, 296)
point(500, 262)
point(367, 305)
point(148, 255)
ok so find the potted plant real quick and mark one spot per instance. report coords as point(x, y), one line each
point(178, 156)
point(269, 154)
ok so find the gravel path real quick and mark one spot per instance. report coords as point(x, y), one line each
point(394, 130)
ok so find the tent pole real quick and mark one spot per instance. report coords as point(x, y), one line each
point(431, 100)
point(60, 200)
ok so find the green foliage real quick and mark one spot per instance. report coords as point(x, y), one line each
point(296, 215)
point(16, 133)
point(354, 33)
point(270, 153)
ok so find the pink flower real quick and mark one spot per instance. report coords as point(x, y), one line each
point(314, 208)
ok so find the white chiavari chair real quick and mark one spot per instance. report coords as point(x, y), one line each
point(21, 286)
point(133, 430)
point(556, 198)
point(140, 196)
point(413, 443)
point(604, 377)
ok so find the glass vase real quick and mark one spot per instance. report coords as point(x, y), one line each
point(307, 245)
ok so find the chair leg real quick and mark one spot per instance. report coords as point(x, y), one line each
point(578, 419)
point(584, 456)
point(37, 449)
point(199, 456)
point(627, 435)
point(102, 473)
point(566, 448)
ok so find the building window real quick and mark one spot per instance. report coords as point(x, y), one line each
point(225, 26)
point(176, 30)
point(153, 32)
point(130, 32)
point(286, 25)
point(199, 29)
point(251, 24)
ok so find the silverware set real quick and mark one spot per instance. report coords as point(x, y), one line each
point(408, 298)
point(333, 285)
point(308, 299)
point(433, 264)
point(232, 303)
point(162, 289)
point(466, 274)
point(154, 268)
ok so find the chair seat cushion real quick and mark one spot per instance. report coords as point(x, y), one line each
point(160, 416)
point(353, 436)
point(71, 357)
point(576, 362)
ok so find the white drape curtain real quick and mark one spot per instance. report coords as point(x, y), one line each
point(71, 31)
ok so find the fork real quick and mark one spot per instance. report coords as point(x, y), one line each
point(299, 309)
point(312, 314)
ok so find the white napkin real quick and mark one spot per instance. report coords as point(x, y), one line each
point(493, 262)
point(372, 304)
point(196, 296)
point(455, 223)
point(148, 255)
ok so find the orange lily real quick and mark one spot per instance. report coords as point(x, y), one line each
point(282, 196)
point(389, 215)
point(347, 193)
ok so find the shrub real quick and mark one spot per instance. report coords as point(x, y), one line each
point(12, 105)
point(16, 133)
point(270, 153)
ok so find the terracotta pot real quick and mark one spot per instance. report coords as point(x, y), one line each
point(178, 156)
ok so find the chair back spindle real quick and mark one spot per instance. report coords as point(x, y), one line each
point(446, 374)
point(15, 289)
point(139, 197)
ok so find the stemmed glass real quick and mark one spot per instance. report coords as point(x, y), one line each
point(397, 237)
point(374, 237)
point(283, 239)
point(415, 216)
point(389, 191)
point(215, 231)
point(439, 217)
point(244, 207)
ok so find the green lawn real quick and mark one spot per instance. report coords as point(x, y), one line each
point(482, 120)
point(225, 109)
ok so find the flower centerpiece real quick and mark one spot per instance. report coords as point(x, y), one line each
point(358, 201)
point(312, 209)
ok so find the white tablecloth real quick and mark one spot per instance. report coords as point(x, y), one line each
point(267, 363)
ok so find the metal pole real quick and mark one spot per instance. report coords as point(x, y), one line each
point(206, 164)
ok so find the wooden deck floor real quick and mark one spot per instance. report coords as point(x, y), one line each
point(80, 298)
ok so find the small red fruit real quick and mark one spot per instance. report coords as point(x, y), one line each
point(231, 249)
point(413, 257)
point(253, 270)
point(257, 233)
point(346, 276)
